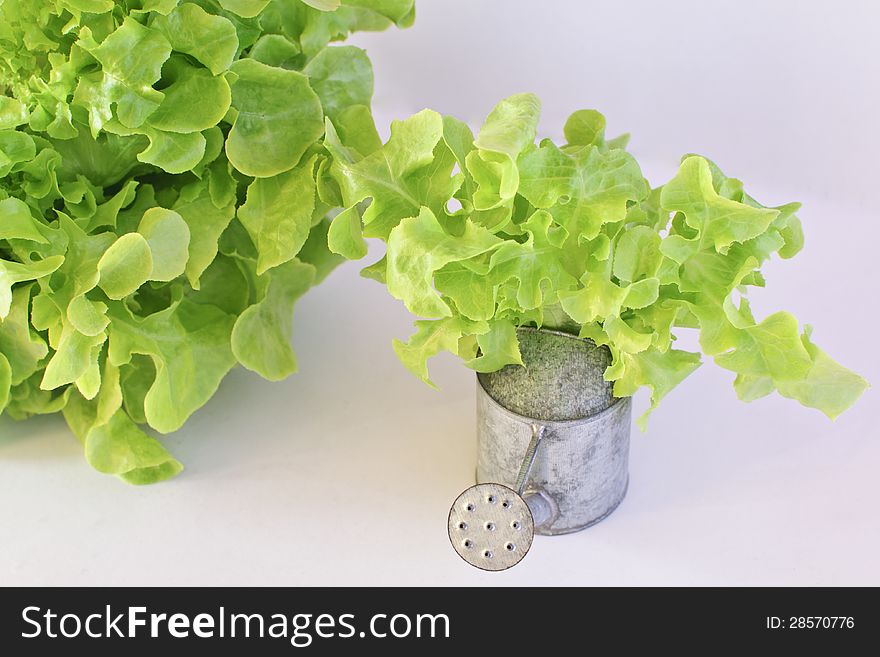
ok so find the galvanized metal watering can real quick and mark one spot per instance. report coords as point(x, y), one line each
point(554, 437)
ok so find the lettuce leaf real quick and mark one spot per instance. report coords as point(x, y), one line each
point(160, 210)
point(572, 236)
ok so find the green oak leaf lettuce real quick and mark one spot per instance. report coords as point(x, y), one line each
point(572, 237)
point(164, 201)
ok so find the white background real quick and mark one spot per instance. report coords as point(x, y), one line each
point(344, 474)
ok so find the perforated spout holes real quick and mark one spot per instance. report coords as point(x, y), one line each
point(491, 527)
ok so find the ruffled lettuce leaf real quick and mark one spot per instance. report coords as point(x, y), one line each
point(163, 202)
point(573, 237)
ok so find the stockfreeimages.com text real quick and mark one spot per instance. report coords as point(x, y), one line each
point(299, 629)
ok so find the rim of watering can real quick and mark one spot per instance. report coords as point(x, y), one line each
point(571, 336)
point(615, 404)
point(530, 420)
point(559, 332)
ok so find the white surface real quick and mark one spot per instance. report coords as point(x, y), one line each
point(344, 474)
point(786, 92)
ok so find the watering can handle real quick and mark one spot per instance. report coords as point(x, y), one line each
point(531, 453)
point(542, 507)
